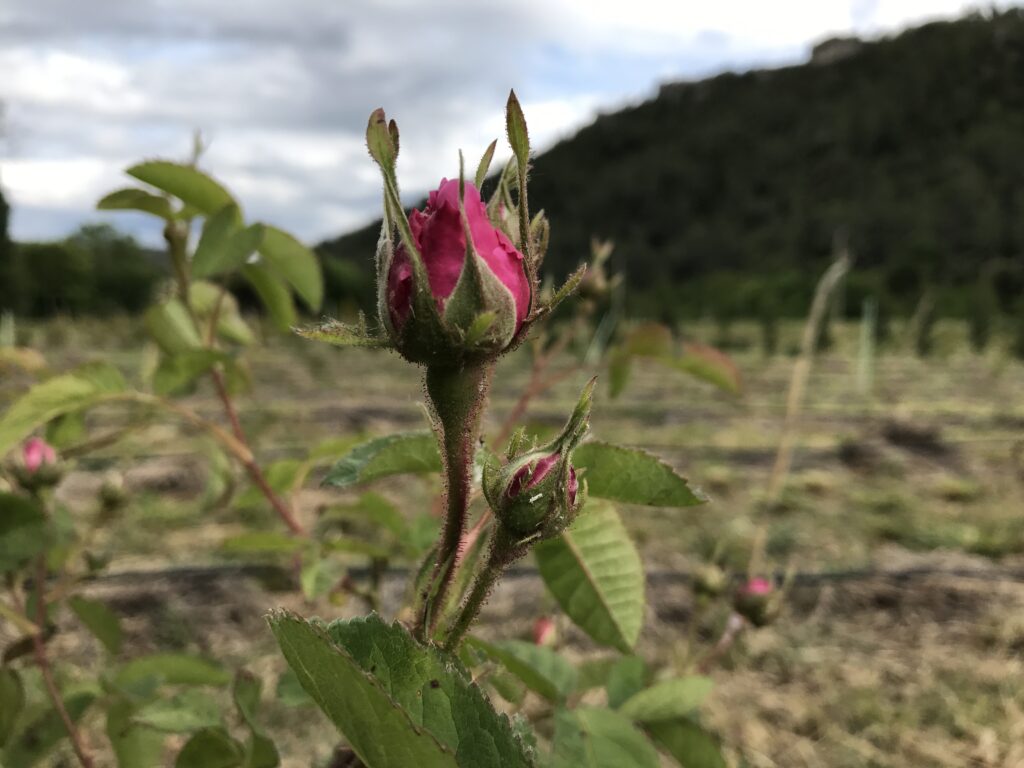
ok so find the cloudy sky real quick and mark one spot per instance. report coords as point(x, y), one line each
point(282, 90)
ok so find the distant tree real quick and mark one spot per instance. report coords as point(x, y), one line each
point(124, 275)
point(981, 312)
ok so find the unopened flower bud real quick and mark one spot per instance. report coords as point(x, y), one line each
point(544, 631)
point(757, 601)
point(537, 493)
point(112, 495)
point(38, 466)
point(709, 581)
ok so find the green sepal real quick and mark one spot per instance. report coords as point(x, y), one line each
point(485, 164)
point(343, 335)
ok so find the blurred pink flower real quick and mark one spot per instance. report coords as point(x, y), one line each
point(757, 586)
point(36, 453)
point(544, 631)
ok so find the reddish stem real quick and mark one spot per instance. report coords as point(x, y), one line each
point(254, 470)
point(39, 649)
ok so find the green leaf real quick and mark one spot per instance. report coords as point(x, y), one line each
point(260, 751)
point(213, 242)
point(342, 335)
point(296, 263)
point(688, 743)
point(620, 364)
point(627, 677)
point(229, 254)
point(515, 126)
point(485, 164)
point(44, 733)
point(188, 711)
point(172, 669)
point(594, 572)
point(211, 748)
point(649, 340)
point(262, 543)
point(100, 620)
point(273, 294)
point(132, 199)
point(668, 699)
point(171, 327)
point(290, 693)
point(710, 365)
point(66, 430)
point(632, 476)
point(542, 670)
point(599, 738)
point(402, 453)
point(177, 373)
point(319, 576)
point(23, 531)
point(12, 699)
point(186, 183)
point(82, 388)
point(135, 746)
point(399, 704)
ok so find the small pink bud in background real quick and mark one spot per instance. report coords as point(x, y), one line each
point(544, 631)
point(757, 601)
point(439, 235)
point(757, 586)
point(37, 453)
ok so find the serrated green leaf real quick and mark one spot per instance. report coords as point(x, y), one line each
point(262, 543)
point(186, 183)
point(627, 677)
point(82, 388)
point(44, 733)
point(294, 262)
point(633, 476)
point(172, 669)
point(402, 453)
point(594, 572)
point(542, 670)
point(23, 531)
point(188, 711)
point(171, 327)
point(132, 199)
point(668, 699)
point(12, 699)
point(599, 738)
point(211, 748)
point(273, 293)
point(100, 620)
point(398, 703)
point(688, 743)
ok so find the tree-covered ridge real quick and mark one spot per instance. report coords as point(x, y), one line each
point(913, 145)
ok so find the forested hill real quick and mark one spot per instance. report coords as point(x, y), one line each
point(913, 144)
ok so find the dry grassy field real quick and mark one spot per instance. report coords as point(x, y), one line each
point(901, 528)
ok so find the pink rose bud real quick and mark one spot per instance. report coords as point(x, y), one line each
point(757, 601)
point(37, 453)
point(544, 631)
point(757, 586)
point(440, 238)
point(531, 475)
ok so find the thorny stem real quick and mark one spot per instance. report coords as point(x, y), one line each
point(39, 650)
point(457, 396)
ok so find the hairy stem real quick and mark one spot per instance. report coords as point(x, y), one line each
point(502, 553)
point(43, 662)
point(457, 396)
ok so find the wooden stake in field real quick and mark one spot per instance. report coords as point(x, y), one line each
point(802, 370)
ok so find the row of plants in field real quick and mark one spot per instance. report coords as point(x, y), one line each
point(459, 286)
